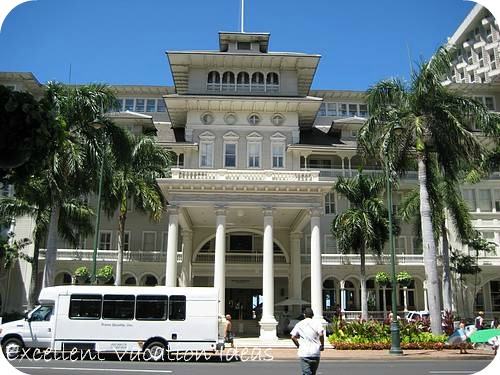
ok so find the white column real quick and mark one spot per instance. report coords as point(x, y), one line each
point(220, 257)
point(316, 283)
point(172, 239)
point(384, 301)
point(295, 266)
point(405, 298)
point(426, 303)
point(268, 323)
point(187, 252)
point(343, 299)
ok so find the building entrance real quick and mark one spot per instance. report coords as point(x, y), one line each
point(244, 304)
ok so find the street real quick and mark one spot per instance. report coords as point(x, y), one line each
point(397, 367)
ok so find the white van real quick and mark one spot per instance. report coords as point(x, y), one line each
point(118, 319)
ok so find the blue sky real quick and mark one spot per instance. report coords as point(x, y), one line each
point(124, 41)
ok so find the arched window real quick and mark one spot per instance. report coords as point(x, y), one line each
point(213, 81)
point(149, 280)
point(257, 82)
point(228, 81)
point(243, 81)
point(272, 82)
point(130, 280)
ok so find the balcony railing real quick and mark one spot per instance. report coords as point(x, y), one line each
point(244, 175)
point(253, 258)
point(354, 259)
point(111, 255)
point(327, 173)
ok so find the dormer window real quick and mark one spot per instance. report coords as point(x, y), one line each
point(254, 119)
point(272, 82)
point(244, 46)
point(243, 81)
point(228, 81)
point(213, 81)
point(257, 82)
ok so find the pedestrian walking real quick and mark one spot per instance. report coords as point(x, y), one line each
point(308, 337)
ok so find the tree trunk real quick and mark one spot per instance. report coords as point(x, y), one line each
point(121, 236)
point(429, 250)
point(447, 290)
point(51, 253)
point(33, 297)
point(364, 297)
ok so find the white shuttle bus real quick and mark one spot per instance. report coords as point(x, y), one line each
point(118, 319)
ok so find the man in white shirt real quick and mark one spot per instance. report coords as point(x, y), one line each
point(308, 337)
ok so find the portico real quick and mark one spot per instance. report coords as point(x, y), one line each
point(221, 219)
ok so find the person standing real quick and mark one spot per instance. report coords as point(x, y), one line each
point(228, 331)
point(479, 321)
point(308, 337)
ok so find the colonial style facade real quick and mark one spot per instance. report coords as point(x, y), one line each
point(250, 200)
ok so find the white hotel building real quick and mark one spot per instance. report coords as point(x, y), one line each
point(250, 200)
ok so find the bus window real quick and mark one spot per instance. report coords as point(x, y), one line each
point(151, 308)
point(117, 306)
point(42, 314)
point(177, 308)
point(85, 306)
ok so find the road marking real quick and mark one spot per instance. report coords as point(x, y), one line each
point(452, 372)
point(93, 369)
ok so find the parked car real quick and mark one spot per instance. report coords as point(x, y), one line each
point(413, 316)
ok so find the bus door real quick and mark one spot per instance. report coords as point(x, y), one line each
point(40, 327)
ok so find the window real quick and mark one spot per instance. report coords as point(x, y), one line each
point(85, 306)
point(254, 154)
point(139, 105)
point(484, 200)
point(278, 151)
point(488, 102)
point(230, 155)
point(129, 104)
point(161, 106)
point(417, 245)
point(497, 200)
point(278, 119)
point(42, 314)
point(118, 107)
point(177, 308)
point(149, 241)
point(245, 46)
point(342, 109)
point(150, 105)
point(228, 82)
point(363, 110)
point(400, 244)
point(329, 203)
point(206, 154)
point(489, 35)
point(126, 241)
point(322, 110)
point(257, 82)
point(207, 118)
point(495, 295)
point(105, 240)
point(470, 197)
point(151, 308)
point(331, 109)
point(243, 81)
point(480, 59)
point(213, 81)
point(5, 190)
point(330, 244)
point(353, 110)
point(272, 82)
point(116, 306)
point(493, 64)
point(469, 57)
point(254, 119)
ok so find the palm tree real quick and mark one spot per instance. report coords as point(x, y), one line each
point(446, 202)
point(72, 172)
point(364, 225)
point(32, 199)
point(431, 121)
point(134, 182)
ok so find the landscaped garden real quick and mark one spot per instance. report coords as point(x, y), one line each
point(374, 335)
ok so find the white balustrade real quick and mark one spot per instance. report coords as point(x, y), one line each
point(244, 175)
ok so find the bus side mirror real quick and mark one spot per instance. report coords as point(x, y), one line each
point(26, 316)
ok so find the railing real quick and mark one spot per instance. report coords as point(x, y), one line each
point(111, 255)
point(371, 259)
point(336, 172)
point(351, 315)
point(244, 175)
point(254, 258)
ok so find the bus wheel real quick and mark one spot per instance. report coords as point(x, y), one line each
point(155, 351)
point(12, 348)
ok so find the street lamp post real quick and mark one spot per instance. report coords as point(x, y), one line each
point(97, 125)
point(395, 333)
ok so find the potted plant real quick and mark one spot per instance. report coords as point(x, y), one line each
point(81, 275)
point(104, 274)
point(404, 279)
point(383, 279)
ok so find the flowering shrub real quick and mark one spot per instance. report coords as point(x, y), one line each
point(377, 336)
